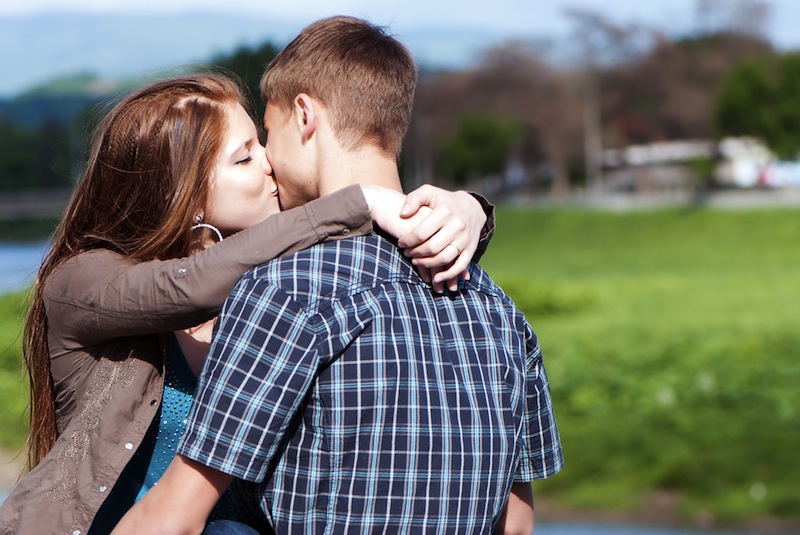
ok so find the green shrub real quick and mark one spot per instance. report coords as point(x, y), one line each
point(13, 386)
point(671, 346)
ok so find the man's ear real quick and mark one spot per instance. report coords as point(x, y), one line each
point(306, 115)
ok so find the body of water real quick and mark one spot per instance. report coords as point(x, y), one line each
point(19, 263)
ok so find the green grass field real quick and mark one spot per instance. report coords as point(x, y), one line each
point(670, 342)
point(13, 388)
point(672, 350)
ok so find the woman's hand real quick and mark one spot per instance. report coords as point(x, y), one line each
point(438, 229)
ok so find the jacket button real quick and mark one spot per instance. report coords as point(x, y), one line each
point(128, 445)
point(345, 232)
point(102, 488)
point(76, 532)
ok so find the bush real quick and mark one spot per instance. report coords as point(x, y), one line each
point(13, 385)
point(671, 346)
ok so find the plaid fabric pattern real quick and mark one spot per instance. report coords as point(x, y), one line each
point(361, 402)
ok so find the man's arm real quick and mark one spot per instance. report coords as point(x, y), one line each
point(260, 366)
point(518, 515)
point(179, 504)
point(541, 454)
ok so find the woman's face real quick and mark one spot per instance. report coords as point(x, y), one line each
point(242, 192)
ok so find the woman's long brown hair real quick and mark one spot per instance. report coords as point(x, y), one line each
point(147, 176)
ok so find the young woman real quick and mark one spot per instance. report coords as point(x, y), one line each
point(123, 311)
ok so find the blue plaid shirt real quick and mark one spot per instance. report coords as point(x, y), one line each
point(361, 402)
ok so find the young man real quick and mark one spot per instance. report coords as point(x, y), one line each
point(357, 399)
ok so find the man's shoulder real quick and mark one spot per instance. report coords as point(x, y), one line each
point(482, 282)
point(359, 254)
point(336, 268)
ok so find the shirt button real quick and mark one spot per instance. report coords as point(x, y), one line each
point(345, 232)
point(102, 488)
point(128, 445)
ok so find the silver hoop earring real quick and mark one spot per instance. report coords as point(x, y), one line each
point(210, 227)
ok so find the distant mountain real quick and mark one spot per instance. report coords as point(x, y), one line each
point(40, 48)
point(85, 83)
point(62, 100)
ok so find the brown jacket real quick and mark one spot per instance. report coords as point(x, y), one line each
point(104, 313)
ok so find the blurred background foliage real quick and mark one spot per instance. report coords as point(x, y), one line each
point(759, 98)
point(522, 104)
point(670, 343)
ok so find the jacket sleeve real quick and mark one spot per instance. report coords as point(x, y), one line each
point(99, 295)
point(488, 228)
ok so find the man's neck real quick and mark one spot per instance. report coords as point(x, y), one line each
point(366, 166)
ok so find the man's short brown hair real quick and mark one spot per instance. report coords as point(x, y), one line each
point(363, 76)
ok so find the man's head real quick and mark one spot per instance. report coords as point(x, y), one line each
point(363, 77)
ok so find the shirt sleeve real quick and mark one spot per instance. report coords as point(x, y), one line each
point(100, 295)
point(260, 367)
point(541, 456)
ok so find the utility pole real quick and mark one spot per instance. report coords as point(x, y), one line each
point(590, 32)
point(593, 137)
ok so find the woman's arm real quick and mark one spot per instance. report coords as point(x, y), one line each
point(98, 295)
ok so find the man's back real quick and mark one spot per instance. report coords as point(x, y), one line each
point(373, 404)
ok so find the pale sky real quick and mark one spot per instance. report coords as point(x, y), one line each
point(513, 16)
point(435, 30)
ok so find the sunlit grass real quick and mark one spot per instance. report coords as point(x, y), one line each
point(13, 389)
point(680, 368)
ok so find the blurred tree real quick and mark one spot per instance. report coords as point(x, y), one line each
point(249, 63)
point(669, 92)
point(52, 151)
point(513, 80)
point(601, 44)
point(760, 98)
point(18, 168)
point(481, 147)
point(33, 159)
point(45, 132)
